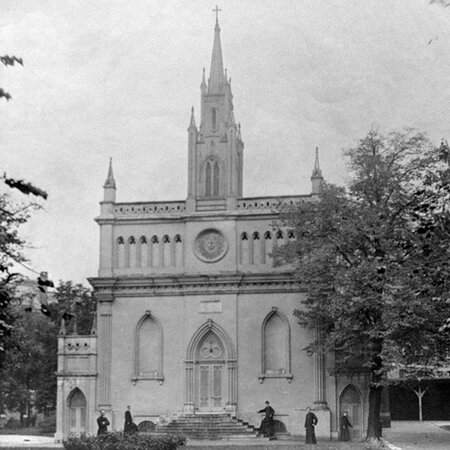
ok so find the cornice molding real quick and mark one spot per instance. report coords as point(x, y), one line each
point(109, 287)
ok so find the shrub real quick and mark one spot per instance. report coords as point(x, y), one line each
point(119, 441)
point(47, 424)
point(374, 444)
point(13, 424)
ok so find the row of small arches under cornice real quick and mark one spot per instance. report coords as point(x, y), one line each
point(279, 235)
point(256, 248)
point(154, 251)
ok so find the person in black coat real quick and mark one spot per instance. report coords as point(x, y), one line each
point(102, 423)
point(130, 426)
point(310, 422)
point(345, 426)
point(267, 425)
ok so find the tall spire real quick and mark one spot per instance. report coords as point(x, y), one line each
point(216, 75)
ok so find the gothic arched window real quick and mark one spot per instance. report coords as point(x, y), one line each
point(148, 362)
point(154, 251)
point(131, 253)
point(256, 248)
point(213, 118)
point(178, 250)
point(266, 247)
point(244, 249)
point(275, 346)
point(120, 261)
point(216, 180)
point(166, 253)
point(143, 252)
point(77, 412)
point(208, 179)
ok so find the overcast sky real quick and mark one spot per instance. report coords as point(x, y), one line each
point(116, 78)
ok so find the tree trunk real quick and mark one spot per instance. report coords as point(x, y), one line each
point(420, 393)
point(374, 424)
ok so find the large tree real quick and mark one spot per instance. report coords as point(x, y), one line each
point(28, 372)
point(377, 285)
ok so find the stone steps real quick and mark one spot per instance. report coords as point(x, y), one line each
point(209, 427)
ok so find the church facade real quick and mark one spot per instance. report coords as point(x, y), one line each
point(192, 315)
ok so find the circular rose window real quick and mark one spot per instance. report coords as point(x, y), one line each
point(210, 245)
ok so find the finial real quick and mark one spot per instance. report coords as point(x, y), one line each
point(94, 325)
point(62, 329)
point(75, 327)
point(192, 122)
point(216, 10)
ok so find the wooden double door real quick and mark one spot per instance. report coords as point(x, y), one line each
point(210, 387)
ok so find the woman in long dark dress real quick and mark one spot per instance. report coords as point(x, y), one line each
point(130, 426)
point(344, 434)
point(310, 422)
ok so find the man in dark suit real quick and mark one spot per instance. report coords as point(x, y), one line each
point(102, 423)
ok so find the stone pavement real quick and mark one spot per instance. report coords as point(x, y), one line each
point(263, 444)
point(414, 435)
point(10, 442)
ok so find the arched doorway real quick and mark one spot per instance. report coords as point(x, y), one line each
point(351, 401)
point(210, 371)
point(77, 412)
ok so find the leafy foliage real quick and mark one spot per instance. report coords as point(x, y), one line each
point(27, 375)
point(9, 61)
point(374, 258)
point(119, 441)
point(12, 215)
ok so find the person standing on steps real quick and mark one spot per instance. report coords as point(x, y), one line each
point(310, 422)
point(102, 423)
point(267, 425)
point(345, 426)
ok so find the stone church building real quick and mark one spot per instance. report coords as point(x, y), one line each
point(192, 317)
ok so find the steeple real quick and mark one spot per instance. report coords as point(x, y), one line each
point(215, 149)
point(316, 178)
point(216, 74)
point(110, 185)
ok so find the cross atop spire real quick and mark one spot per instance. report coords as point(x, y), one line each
point(216, 75)
point(216, 10)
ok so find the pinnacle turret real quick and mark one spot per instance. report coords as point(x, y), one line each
point(317, 178)
point(192, 122)
point(110, 185)
point(110, 182)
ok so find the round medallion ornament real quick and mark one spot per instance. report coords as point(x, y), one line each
point(210, 245)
